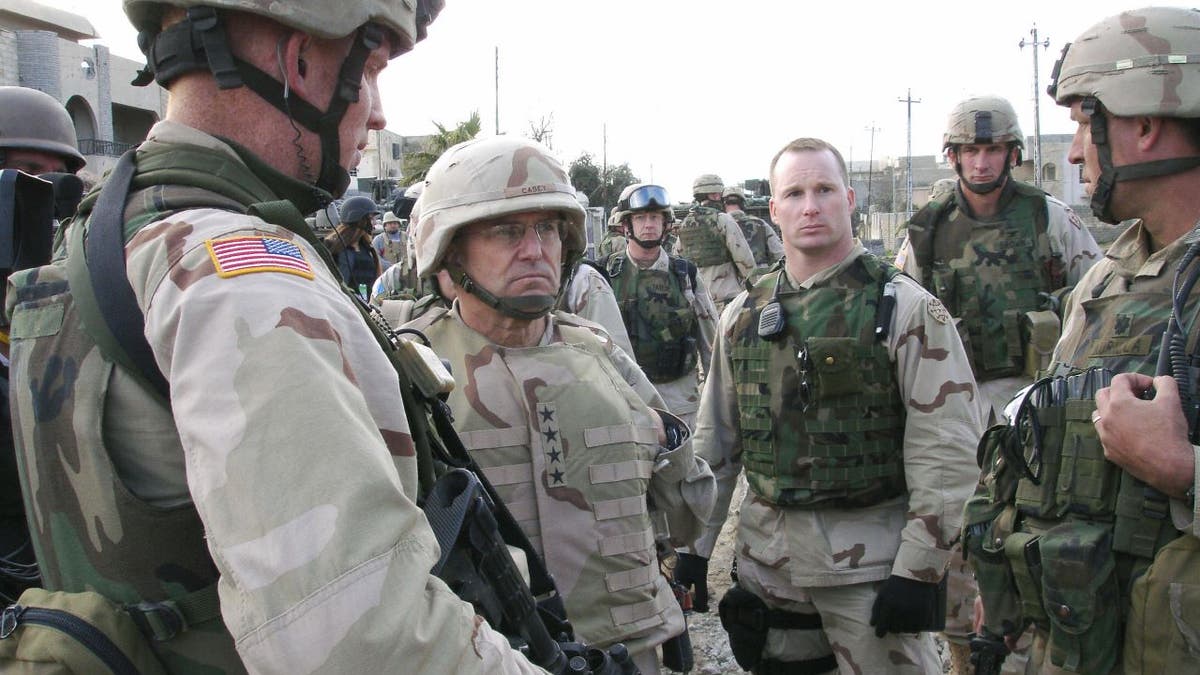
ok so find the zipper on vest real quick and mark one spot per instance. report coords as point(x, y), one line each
point(92, 638)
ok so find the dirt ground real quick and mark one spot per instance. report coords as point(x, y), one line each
point(710, 645)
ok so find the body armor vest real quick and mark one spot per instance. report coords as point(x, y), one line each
point(394, 250)
point(660, 320)
point(570, 449)
point(90, 532)
point(363, 265)
point(1065, 551)
point(755, 231)
point(988, 273)
point(823, 429)
point(699, 239)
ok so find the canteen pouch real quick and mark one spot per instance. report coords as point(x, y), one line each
point(983, 544)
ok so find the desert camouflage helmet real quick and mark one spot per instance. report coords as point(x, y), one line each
point(1140, 62)
point(487, 178)
point(983, 120)
point(329, 19)
point(33, 120)
point(734, 191)
point(707, 183)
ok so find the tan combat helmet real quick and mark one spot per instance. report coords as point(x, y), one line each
point(487, 178)
point(1139, 62)
point(645, 198)
point(734, 191)
point(706, 184)
point(33, 120)
point(199, 42)
point(983, 120)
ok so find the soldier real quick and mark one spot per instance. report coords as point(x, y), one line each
point(567, 428)
point(589, 294)
point(283, 472)
point(392, 244)
point(711, 239)
point(995, 251)
point(1058, 535)
point(37, 137)
point(666, 309)
point(761, 237)
point(843, 389)
point(614, 237)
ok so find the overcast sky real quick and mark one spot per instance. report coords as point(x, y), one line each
point(706, 86)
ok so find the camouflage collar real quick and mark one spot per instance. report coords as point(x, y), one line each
point(1131, 253)
point(307, 198)
point(827, 273)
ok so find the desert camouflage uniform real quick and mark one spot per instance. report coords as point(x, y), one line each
point(832, 561)
point(286, 436)
point(565, 432)
point(712, 240)
point(590, 296)
point(764, 243)
point(1064, 252)
point(682, 395)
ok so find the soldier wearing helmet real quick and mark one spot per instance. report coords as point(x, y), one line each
point(841, 389)
point(572, 433)
point(282, 476)
point(1116, 534)
point(36, 133)
point(665, 307)
point(998, 253)
point(761, 237)
point(712, 240)
point(614, 237)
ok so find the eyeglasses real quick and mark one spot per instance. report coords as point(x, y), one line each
point(648, 197)
point(510, 235)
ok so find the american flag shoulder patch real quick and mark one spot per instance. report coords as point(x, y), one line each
point(234, 256)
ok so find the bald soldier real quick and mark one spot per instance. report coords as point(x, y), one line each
point(565, 425)
point(842, 390)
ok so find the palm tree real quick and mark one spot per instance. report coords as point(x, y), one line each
point(416, 164)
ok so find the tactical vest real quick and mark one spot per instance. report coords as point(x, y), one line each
point(661, 322)
point(1065, 551)
point(755, 231)
point(700, 240)
point(820, 413)
point(394, 250)
point(988, 273)
point(90, 532)
point(577, 483)
point(363, 265)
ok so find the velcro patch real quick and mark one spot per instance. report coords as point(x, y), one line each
point(234, 256)
point(938, 311)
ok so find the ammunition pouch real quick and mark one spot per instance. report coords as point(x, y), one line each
point(746, 618)
point(1039, 332)
point(1080, 596)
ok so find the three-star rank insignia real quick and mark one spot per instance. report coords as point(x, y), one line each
point(547, 416)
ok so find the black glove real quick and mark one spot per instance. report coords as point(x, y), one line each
point(692, 572)
point(908, 606)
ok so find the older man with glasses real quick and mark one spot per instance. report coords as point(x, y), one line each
point(567, 427)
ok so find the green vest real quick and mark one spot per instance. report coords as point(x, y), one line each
point(661, 322)
point(699, 239)
point(1067, 551)
point(570, 448)
point(755, 231)
point(820, 412)
point(988, 273)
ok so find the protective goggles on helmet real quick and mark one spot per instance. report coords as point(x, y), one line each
point(646, 198)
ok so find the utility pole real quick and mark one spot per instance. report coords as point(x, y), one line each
point(497, 90)
point(908, 160)
point(1037, 108)
point(604, 170)
point(870, 166)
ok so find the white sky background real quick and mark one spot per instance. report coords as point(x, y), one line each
point(705, 86)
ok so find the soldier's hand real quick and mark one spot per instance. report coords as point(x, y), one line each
point(1147, 438)
point(691, 572)
point(905, 606)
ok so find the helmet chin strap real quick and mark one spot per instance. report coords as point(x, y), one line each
point(199, 43)
point(648, 243)
point(1110, 175)
point(524, 307)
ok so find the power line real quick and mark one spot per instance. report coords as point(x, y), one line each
point(908, 186)
point(1037, 107)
